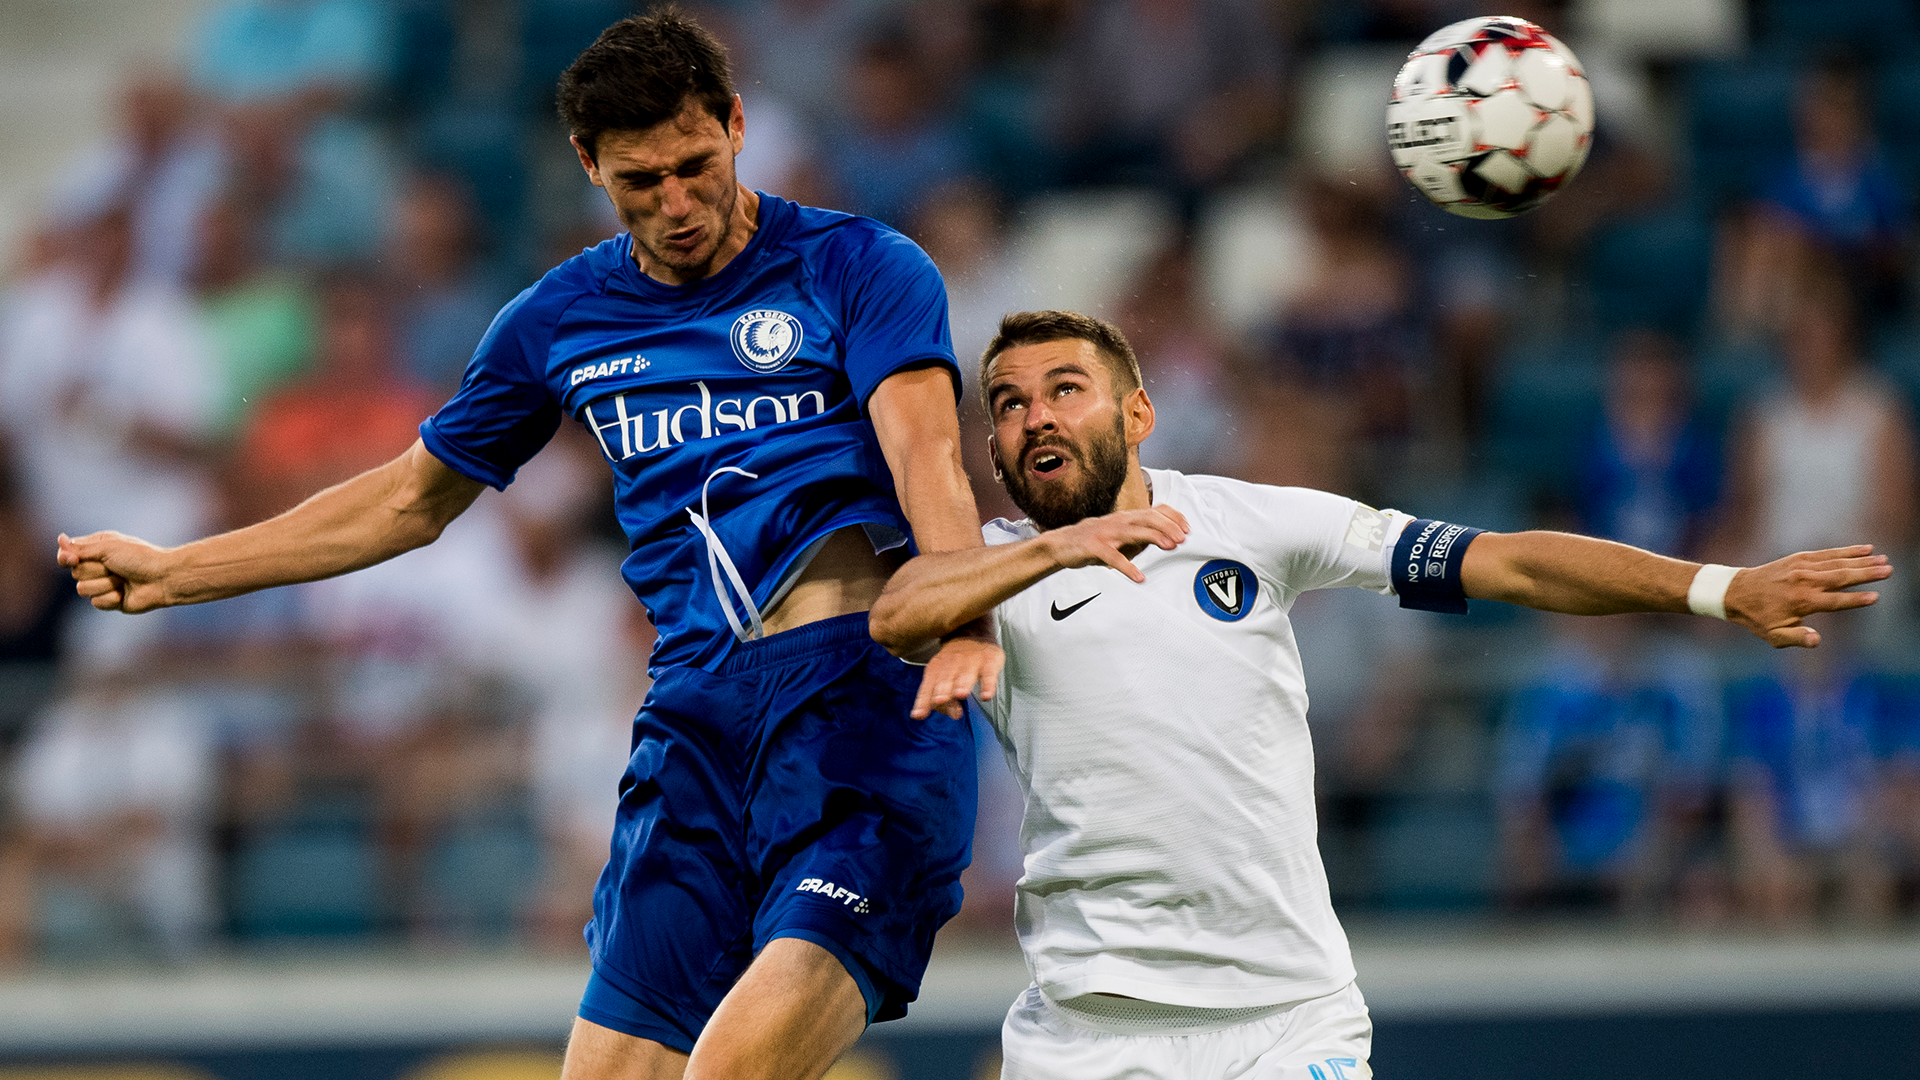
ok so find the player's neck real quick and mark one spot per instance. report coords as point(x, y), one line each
point(1137, 492)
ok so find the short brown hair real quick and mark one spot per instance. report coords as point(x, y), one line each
point(1040, 327)
point(640, 73)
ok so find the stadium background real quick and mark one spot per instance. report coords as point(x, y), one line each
point(349, 829)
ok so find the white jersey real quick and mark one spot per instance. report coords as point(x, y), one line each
point(1159, 732)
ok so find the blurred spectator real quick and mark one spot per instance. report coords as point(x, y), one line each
point(358, 410)
point(1801, 794)
point(1897, 748)
point(109, 390)
point(1606, 763)
point(444, 302)
point(1371, 670)
point(893, 145)
point(1839, 192)
point(1172, 93)
point(1650, 472)
point(1350, 329)
point(1828, 459)
point(167, 163)
point(34, 592)
point(963, 229)
point(285, 73)
point(573, 645)
point(115, 785)
point(1185, 364)
point(986, 911)
point(261, 322)
point(798, 52)
point(253, 50)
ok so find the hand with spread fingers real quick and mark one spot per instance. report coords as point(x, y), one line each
point(116, 572)
point(964, 667)
point(1773, 601)
point(1115, 538)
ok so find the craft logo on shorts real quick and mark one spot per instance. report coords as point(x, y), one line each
point(766, 340)
point(823, 887)
point(1225, 590)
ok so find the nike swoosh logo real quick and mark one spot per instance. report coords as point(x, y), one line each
point(1059, 613)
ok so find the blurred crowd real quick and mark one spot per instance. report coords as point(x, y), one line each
point(280, 262)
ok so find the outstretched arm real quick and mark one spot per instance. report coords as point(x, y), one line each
point(381, 513)
point(1579, 575)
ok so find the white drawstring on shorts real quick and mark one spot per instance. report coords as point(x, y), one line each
point(717, 559)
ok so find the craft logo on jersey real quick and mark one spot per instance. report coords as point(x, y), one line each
point(1225, 590)
point(766, 340)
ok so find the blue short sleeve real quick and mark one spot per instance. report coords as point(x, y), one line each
point(896, 314)
point(504, 411)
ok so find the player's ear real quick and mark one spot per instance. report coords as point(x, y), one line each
point(586, 161)
point(737, 125)
point(993, 455)
point(1138, 408)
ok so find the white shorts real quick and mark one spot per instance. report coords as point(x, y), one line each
point(1326, 1038)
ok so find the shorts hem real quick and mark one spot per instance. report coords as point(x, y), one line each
point(856, 967)
point(821, 927)
point(607, 1005)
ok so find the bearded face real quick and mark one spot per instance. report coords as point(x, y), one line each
point(1090, 490)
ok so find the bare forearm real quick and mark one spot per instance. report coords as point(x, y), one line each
point(375, 516)
point(936, 498)
point(919, 432)
point(1575, 575)
point(936, 594)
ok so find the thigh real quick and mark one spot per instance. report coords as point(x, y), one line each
point(790, 1016)
point(601, 1053)
point(863, 819)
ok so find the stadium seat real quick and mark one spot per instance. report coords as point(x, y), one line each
point(1741, 119)
point(480, 876)
point(1544, 401)
point(553, 33)
point(1651, 271)
point(1897, 357)
point(306, 880)
point(1898, 122)
point(1728, 377)
point(484, 144)
point(1436, 852)
point(1089, 245)
point(1807, 28)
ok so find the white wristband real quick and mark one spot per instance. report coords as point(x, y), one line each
point(1708, 593)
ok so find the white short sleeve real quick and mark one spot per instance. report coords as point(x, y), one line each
point(1306, 539)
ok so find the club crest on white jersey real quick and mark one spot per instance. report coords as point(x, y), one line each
point(1225, 590)
point(766, 340)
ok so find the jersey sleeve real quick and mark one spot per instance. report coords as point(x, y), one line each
point(503, 412)
point(1306, 539)
point(895, 314)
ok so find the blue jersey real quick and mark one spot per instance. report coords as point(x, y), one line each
point(732, 409)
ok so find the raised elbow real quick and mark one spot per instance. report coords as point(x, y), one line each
point(884, 625)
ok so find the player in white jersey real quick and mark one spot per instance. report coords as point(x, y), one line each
point(1174, 910)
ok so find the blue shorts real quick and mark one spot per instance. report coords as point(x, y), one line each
point(786, 795)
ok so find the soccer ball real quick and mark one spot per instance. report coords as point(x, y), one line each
point(1489, 117)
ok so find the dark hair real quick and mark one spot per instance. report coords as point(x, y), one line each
point(640, 73)
point(1040, 327)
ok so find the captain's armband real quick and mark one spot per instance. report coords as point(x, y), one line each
point(1426, 565)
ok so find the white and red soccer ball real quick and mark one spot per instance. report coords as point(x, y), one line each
point(1490, 116)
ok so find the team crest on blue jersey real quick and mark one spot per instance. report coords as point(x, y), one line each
point(766, 340)
point(1225, 590)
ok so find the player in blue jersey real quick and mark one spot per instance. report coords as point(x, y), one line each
point(774, 389)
